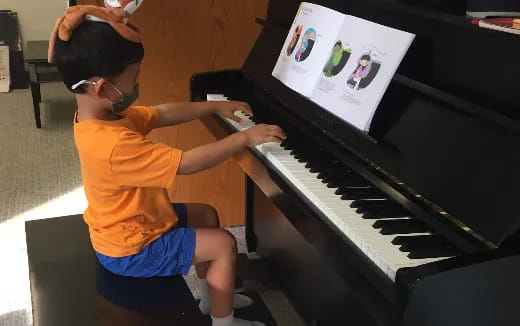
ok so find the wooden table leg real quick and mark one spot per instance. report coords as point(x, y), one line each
point(36, 95)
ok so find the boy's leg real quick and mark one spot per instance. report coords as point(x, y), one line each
point(217, 248)
point(205, 216)
point(202, 216)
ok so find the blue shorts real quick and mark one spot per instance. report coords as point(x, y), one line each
point(171, 254)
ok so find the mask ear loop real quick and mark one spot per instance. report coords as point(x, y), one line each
point(82, 82)
point(89, 82)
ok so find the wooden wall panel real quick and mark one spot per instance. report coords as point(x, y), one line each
point(182, 38)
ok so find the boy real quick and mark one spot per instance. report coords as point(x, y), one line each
point(133, 227)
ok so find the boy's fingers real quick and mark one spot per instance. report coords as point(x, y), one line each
point(234, 117)
point(273, 139)
point(278, 132)
point(247, 110)
point(244, 107)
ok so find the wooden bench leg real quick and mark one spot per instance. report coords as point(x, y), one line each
point(36, 95)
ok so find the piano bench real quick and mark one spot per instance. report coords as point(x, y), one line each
point(69, 287)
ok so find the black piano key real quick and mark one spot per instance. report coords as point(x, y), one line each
point(342, 189)
point(382, 212)
point(376, 204)
point(318, 159)
point(383, 215)
point(433, 253)
point(372, 207)
point(419, 248)
point(313, 168)
point(361, 193)
point(289, 143)
point(332, 184)
point(348, 179)
point(354, 180)
point(419, 240)
point(322, 175)
point(358, 203)
point(401, 226)
point(333, 171)
point(379, 209)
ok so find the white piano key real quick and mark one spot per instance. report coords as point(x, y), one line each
point(216, 97)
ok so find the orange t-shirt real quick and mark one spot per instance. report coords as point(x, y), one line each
point(125, 177)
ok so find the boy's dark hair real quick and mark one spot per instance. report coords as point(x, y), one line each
point(95, 49)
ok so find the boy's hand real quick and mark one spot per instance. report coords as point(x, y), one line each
point(263, 133)
point(228, 109)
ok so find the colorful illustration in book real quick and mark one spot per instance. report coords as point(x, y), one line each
point(294, 39)
point(337, 61)
point(364, 73)
point(308, 40)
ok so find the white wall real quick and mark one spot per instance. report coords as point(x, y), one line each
point(36, 17)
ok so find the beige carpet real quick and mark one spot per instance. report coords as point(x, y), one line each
point(40, 178)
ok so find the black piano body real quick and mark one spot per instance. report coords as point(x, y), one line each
point(443, 145)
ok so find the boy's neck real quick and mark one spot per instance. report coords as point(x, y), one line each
point(89, 110)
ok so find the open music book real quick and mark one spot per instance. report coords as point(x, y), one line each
point(341, 62)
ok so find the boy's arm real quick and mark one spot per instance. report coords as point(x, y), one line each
point(170, 114)
point(210, 155)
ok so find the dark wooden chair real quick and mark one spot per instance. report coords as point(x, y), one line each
point(40, 71)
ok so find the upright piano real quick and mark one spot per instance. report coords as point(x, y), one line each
point(414, 223)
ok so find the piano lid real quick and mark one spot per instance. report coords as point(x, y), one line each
point(448, 125)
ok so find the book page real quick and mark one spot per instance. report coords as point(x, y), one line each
point(359, 68)
point(307, 47)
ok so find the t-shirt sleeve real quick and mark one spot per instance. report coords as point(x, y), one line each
point(142, 117)
point(138, 162)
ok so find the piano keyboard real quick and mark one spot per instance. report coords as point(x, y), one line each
point(359, 212)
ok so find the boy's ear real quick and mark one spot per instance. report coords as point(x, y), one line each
point(99, 88)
